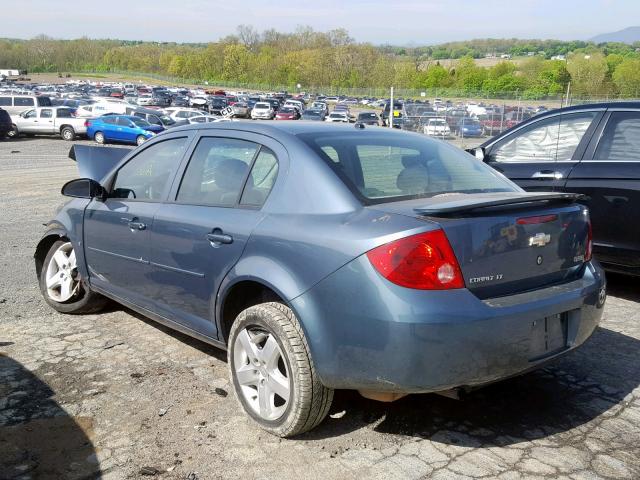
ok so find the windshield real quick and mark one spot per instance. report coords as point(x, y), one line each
point(382, 167)
point(367, 115)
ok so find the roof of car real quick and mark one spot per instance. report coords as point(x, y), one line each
point(292, 127)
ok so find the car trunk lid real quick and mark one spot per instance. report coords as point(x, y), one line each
point(509, 242)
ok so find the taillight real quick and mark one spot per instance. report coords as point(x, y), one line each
point(425, 261)
point(87, 123)
point(588, 250)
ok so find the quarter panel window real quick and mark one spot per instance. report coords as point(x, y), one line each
point(217, 171)
point(146, 175)
point(23, 102)
point(261, 179)
point(621, 138)
point(549, 140)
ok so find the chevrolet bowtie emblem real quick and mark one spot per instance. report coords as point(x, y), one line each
point(539, 240)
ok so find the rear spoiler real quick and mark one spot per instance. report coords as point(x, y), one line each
point(473, 203)
point(96, 162)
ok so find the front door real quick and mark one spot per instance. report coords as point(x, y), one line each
point(197, 239)
point(117, 229)
point(610, 177)
point(541, 155)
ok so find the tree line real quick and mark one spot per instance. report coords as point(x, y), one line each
point(318, 60)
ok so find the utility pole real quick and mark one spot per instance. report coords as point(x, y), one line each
point(566, 103)
point(391, 110)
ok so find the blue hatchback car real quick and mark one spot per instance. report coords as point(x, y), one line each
point(326, 257)
point(121, 128)
point(469, 127)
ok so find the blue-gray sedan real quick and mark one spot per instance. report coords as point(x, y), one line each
point(327, 257)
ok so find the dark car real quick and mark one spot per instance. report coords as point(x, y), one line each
point(217, 104)
point(326, 257)
point(5, 123)
point(468, 127)
point(315, 115)
point(368, 118)
point(155, 117)
point(397, 112)
point(589, 149)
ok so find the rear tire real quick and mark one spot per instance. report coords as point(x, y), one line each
point(267, 348)
point(61, 284)
point(140, 140)
point(99, 137)
point(68, 134)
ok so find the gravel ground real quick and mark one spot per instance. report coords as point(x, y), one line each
point(116, 396)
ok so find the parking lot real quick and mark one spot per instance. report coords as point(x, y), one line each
point(116, 396)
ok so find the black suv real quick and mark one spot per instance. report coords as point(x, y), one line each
point(590, 149)
point(5, 123)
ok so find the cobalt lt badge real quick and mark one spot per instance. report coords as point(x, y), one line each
point(539, 260)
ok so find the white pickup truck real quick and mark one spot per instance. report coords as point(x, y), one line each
point(48, 121)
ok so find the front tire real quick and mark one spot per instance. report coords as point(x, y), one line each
point(13, 133)
point(272, 371)
point(61, 284)
point(140, 140)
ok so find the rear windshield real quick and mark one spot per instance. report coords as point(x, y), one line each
point(380, 167)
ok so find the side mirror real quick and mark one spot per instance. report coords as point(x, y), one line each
point(83, 188)
point(477, 152)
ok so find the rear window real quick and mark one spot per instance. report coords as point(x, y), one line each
point(44, 102)
point(387, 167)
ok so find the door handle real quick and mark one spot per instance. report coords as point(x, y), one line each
point(218, 238)
point(547, 174)
point(137, 225)
point(133, 223)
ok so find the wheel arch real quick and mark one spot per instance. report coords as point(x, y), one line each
point(48, 239)
point(240, 294)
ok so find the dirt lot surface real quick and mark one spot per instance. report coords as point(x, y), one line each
point(115, 396)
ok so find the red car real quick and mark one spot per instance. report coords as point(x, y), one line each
point(287, 113)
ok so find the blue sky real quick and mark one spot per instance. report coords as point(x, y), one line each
point(377, 21)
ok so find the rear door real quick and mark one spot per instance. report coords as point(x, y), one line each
point(45, 121)
point(610, 176)
point(541, 154)
point(197, 238)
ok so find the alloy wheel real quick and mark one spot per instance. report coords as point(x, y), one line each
point(62, 274)
point(262, 373)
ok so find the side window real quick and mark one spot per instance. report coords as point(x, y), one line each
point(30, 114)
point(548, 140)
point(146, 175)
point(46, 113)
point(109, 120)
point(217, 171)
point(261, 179)
point(23, 102)
point(123, 122)
point(5, 101)
point(621, 138)
point(64, 113)
point(44, 102)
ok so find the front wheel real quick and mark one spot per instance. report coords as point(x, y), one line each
point(61, 284)
point(272, 371)
point(140, 140)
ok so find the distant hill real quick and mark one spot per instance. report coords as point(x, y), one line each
point(627, 35)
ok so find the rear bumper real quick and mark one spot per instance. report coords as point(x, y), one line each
point(366, 333)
